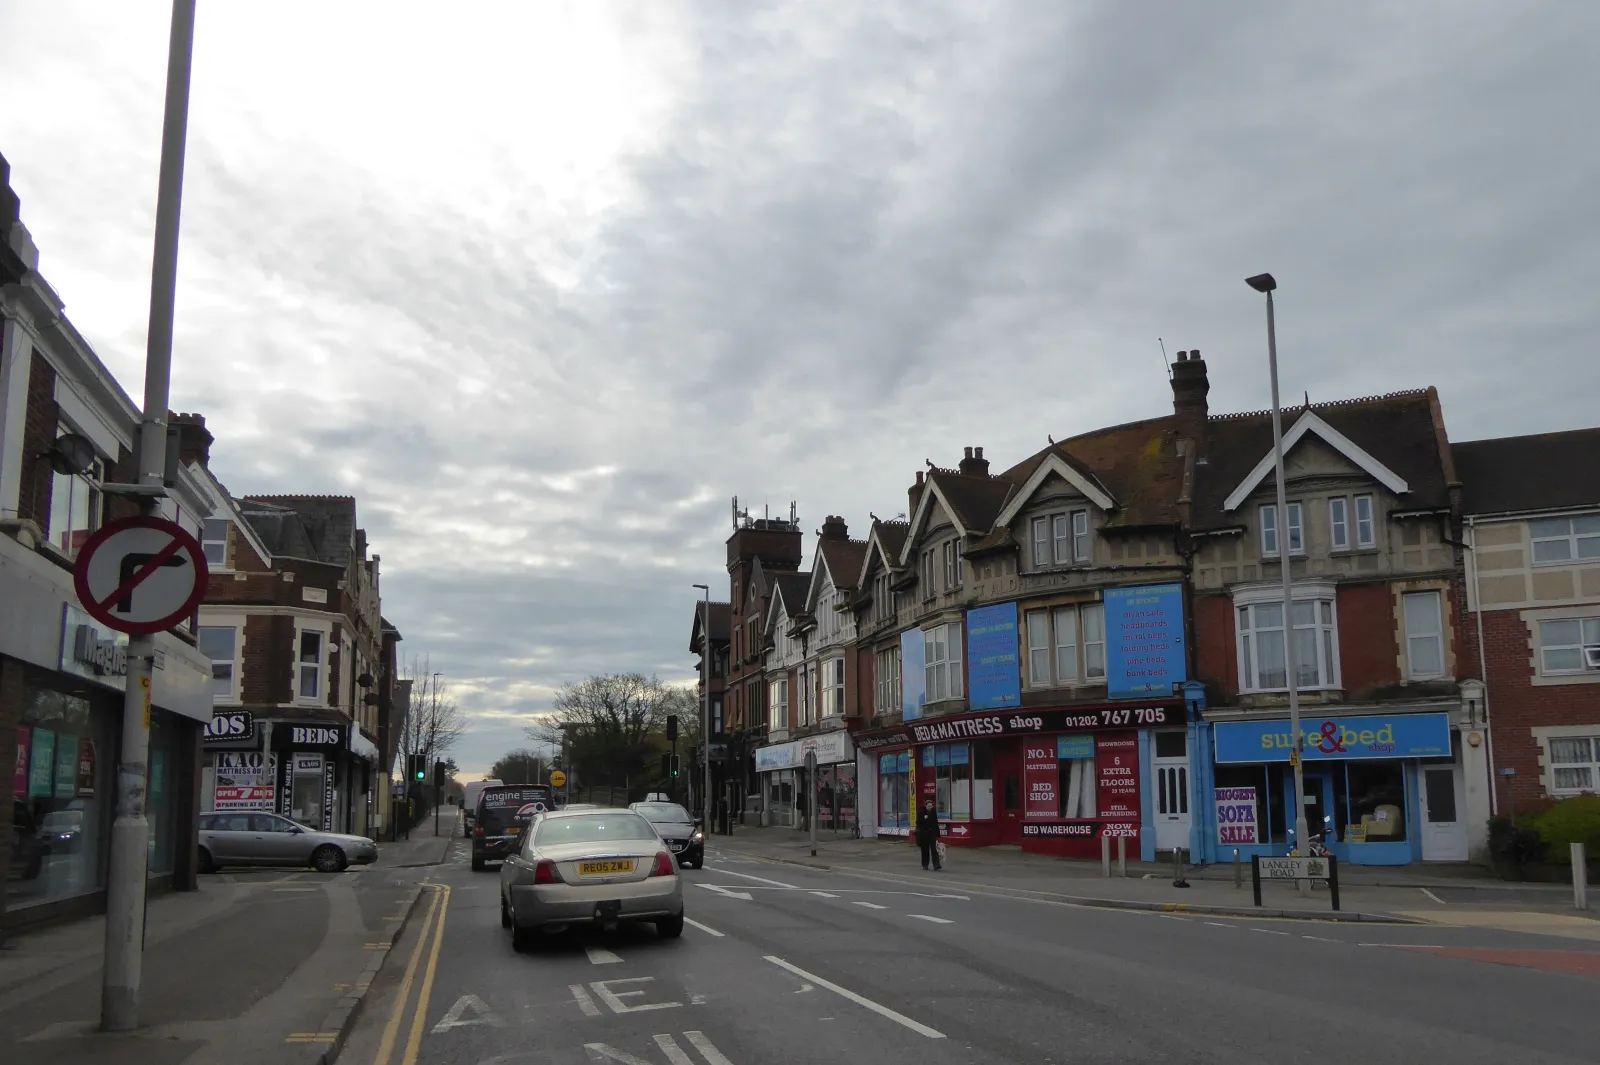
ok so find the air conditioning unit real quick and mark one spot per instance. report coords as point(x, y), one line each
point(1591, 658)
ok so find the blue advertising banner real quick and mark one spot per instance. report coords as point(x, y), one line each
point(1144, 641)
point(993, 680)
point(1334, 738)
point(913, 681)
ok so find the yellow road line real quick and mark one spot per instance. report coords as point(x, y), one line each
point(392, 1029)
point(414, 1044)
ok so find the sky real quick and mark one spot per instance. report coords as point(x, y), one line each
point(544, 285)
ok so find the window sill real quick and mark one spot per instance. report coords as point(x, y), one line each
point(1319, 689)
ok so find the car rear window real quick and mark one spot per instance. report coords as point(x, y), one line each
point(497, 807)
point(592, 828)
point(664, 811)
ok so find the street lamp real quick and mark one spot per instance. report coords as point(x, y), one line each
point(1267, 284)
point(705, 705)
point(433, 726)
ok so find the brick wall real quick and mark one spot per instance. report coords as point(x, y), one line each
point(1216, 658)
point(1368, 657)
point(38, 433)
point(865, 682)
point(268, 661)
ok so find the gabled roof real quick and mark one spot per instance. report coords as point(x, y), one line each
point(788, 597)
point(1528, 474)
point(223, 504)
point(1136, 464)
point(1060, 463)
point(721, 613)
point(327, 524)
point(1310, 422)
point(1399, 433)
point(886, 541)
point(972, 501)
point(841, 561)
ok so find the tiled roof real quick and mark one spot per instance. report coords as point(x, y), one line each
point(1546, 471)
point(975, 499)
point(892, 535)
point(843, 558)
point(327, 522)
point(1137, 464)
point(791, 591)
point(721, 615)
point(1397, 429)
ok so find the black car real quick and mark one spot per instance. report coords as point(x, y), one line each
point(496, 831)
point(27, 849)
point(684, 837)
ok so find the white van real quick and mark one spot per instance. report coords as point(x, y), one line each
point(469, 800)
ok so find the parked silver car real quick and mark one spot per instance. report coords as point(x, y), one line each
point(267, 839)
point(604, 867)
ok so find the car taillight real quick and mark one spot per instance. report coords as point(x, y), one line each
point(665, 866)
point(545, 872)
point(478, 831)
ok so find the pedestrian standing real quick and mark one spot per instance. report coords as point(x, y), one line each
point(928, 834)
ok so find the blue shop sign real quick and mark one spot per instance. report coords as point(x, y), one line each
point(1335, 738)
point(992, 677)
point(1144, 641)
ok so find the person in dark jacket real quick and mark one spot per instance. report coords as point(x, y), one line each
point(928, 834)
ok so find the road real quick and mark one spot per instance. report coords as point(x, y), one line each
point(790, 966)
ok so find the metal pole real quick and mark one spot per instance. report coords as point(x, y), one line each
point(1580, 878)
point(811, 799)
point(438, 785)
point(705, 706)
point(130, 833)
point(1297, 741)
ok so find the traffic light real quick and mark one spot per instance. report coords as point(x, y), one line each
point(672, 728)
point(674, 760)
point(438, 774)
point(417, 767)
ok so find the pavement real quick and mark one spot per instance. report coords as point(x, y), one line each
point(268, 966)
point(794, 964)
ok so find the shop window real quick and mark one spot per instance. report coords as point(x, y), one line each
point(951, 766)
point(1377, 796)
point(66, 759)
point(1261, 653)
point(942, 655)
point(161, 806)
point(1424, 621)
point(1075, 769)
point(982, 782)
point(1574, 764)
point(220, 643)
point(310, 665)
point(894, 790)
point(306, 794)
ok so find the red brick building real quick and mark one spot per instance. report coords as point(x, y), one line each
point(708, 642)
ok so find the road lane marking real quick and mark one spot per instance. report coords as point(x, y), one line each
point(601, 956)
point(925, 917)
point(712, 1055)
point(1269, 931)
point(745, 895)
point(452, 1019)
point(669, 1046)
point(1218, 924)
point(870, 905)
point(425, 991)
point(860, 1000)
point(762, 880)
point(585, 1003)
point(704, 928)
point(825, 894)
point(1321, 939)
point(1432, 896)
point(614, 998)
point(392, 1029)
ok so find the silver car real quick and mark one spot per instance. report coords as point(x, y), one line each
point(267, 839)
point(600, 867)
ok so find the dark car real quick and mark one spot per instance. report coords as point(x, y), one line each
point(678, 828)
point(61, 831)
point(496, 830)
point(27, 849)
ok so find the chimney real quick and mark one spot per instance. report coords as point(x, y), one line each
point(194, 439)
point(974, 464)
point(1189, 389)
point(913, 494)
point(834, 528)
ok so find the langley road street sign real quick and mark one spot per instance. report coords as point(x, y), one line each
point(140, 575)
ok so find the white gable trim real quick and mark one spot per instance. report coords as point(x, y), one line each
point(1055, 464)
point(874, 546)
point(931, 490)
point(1310, 422)
point(819, 573)
point(223, 505)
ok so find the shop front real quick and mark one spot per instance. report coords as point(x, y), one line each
point(1380, 789)
point(790, 796)
point(1051, 780)
point(315, 766)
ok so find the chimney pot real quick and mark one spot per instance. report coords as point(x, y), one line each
point(969, 453)
point(978, 452)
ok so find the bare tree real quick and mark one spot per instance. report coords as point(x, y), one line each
point(613, 724)
point(433, 720)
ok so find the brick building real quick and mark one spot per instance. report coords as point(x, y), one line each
point(1532, 508)
point(709, 643)
point(67, 430)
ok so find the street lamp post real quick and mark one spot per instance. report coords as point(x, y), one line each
point(433, 725)
point(705, 705)
point(1266, 283)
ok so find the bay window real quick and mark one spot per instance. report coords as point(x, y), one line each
point(886, 674)
point(778, 697)
point(941, 649)
point(309, 665)
point(833, 687)
point(1261, 640)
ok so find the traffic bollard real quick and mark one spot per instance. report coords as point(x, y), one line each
point(1122, 856)
point(1105, 856)
point(1580, 878)
point(1177, 869)
point(1238, 870)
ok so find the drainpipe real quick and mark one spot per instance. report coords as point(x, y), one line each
point(1483, 664)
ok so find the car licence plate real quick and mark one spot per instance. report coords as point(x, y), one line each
point(514, 830)
point(605, 868)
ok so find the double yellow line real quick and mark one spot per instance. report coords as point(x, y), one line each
point(432, 931)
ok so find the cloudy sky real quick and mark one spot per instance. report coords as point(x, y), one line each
point(544, 285)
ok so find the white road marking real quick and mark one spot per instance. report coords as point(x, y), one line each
point(614, 998)
point(601, 1052)
point(585, 1003)
point(870, 905)
point(452, 1019)
point(1217, 924)
point(669, 1046)
point(825, 894)
point(708, 931)
point(1269, 931)
point(1321, 939)
point(1434, 897)
point(925, 917)
point(860, 1000)
point(763, 880)
point(745, 895)
point(601, 956)
point(712, 1055)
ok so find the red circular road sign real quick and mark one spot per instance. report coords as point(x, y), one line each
point(140, 575)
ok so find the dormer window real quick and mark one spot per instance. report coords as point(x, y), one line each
point(1061, 539)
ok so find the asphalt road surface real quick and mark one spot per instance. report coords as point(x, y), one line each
point(789, 966)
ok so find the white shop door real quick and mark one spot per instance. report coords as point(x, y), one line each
point(1444, 834)
point(1171, 771)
